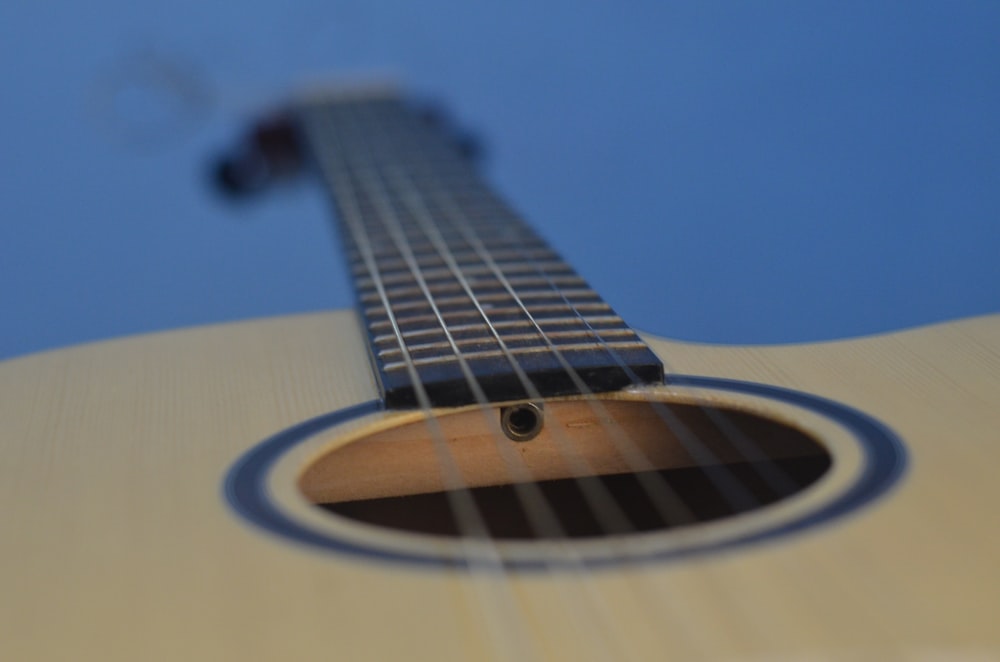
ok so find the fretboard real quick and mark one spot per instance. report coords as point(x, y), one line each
point(461, 300)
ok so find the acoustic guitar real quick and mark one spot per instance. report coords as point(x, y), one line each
point(483, 461)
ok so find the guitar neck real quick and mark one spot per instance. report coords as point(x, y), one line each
point(462, 301)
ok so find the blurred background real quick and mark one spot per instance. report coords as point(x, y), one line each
point(728, 172)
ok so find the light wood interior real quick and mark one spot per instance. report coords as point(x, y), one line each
point(579, 438)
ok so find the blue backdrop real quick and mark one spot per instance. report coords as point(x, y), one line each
point(720, 171)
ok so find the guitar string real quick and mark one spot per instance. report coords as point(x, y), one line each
point(656, 490)
point(613, 519)
point(770, 472)
point(728, 486)
point(540, 516)
point(401, 244)
point(429, 230)
point(647, 594)
point(661, 494)
point(531, 497)
point(747, 452)
point(774, 476)
point(429, 297)
point(536, 499)
point(480, 553)
point(778, 482)
point(670, 507)
point(389, 216)
point(382, 294)
point(568, 302)
point(645, 590)
point(670, 423)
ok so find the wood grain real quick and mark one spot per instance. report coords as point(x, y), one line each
point(117, 544)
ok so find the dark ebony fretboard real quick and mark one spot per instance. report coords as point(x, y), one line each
point(455, 290)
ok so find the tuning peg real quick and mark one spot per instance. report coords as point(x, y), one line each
point(268, 153)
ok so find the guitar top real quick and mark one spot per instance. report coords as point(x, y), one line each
point(485, 462)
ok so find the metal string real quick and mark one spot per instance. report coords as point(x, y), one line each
point(677, 511)
point(606, 509)
point(476, 540)
point(656, 486)
point(731, 490)
point(414, 200)
point(744, 446)
point(770, 472)
point(595, 493)
point(569, 368)
point(532, 508)
point(541, 517)
point(668, 504)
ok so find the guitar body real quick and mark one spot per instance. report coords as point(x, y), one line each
point(120, 542)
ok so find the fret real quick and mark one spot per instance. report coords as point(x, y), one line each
point(445, 275)
point(440, 359)
point(531, 297)
point(548, 325)
point(521, 339)
point(498, 314)
point(428, 260)
point(523, 285)
point(450, 280)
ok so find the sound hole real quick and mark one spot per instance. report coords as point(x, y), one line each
point(698, 464)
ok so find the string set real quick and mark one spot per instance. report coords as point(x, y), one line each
point(432, 208)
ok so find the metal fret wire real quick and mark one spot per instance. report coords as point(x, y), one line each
point(514, 338)
point(458, 329)
point(406, 293)
point(480, 550)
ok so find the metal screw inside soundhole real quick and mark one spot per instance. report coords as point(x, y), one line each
point(521, 422)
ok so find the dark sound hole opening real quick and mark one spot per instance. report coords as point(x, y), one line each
point(503, 511)
point(523, 421)
point(391, 478)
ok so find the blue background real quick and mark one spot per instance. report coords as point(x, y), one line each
point(721, 171)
